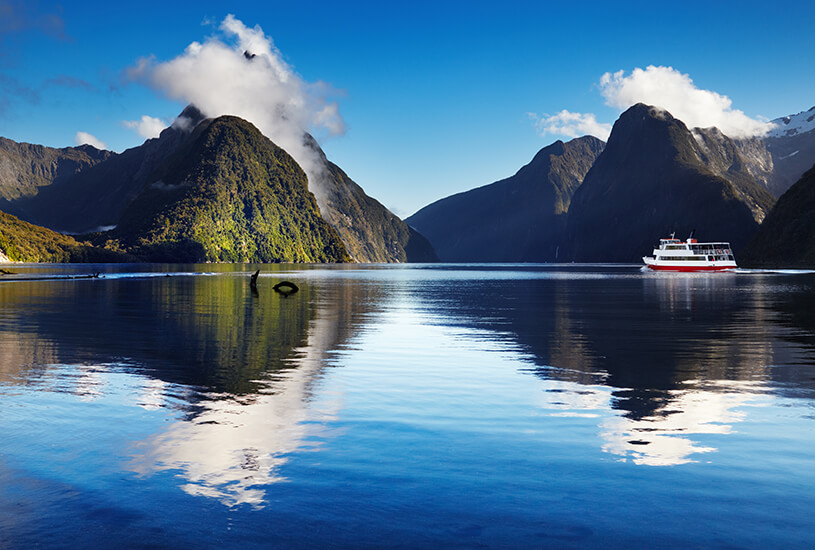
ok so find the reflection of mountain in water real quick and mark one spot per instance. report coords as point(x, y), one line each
point(203, 331)
point(252, 359)
point(641, 344)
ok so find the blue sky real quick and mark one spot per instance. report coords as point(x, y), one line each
point(435, 97)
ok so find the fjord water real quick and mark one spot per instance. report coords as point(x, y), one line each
point(501, 406)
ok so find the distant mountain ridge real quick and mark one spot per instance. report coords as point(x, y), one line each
point(793, 125)
point(792, 147)
point(96, 195)
point(27, 169)
point(520, 218)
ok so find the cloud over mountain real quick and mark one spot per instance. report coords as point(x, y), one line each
point(241, 73)
point(147, 127)
point(668, 88)
point(571, 125)
point(663, 87)
point(84, 138)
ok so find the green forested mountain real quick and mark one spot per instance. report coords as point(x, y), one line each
point(227, 194)
point(652, 179)
point(517, 219)
point(23, 242)
point(787, 235)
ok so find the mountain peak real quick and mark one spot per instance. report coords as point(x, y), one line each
point(189, 118)
point(793, 125)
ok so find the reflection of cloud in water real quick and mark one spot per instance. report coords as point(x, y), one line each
point(232, 448)
point(152, 395)
point(659, 440)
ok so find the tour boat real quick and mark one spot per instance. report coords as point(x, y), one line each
point(690, 255)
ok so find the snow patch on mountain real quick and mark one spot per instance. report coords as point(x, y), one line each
point(794, 125)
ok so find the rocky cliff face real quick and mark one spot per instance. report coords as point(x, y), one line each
point(736, 160)
point(654, 177)
point(370, 232)
point(516, 219)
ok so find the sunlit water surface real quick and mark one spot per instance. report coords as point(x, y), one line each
point(511, 406)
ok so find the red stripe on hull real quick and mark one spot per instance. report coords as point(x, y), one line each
point(691, 268)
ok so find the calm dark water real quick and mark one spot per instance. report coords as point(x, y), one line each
point(407, 407)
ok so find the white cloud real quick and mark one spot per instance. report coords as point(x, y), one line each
point(147, 127)
point(84, 138)
point(242, 73)
point(571, 125)
point(668, 88)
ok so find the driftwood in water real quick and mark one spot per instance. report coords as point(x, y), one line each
point(285, 288)
point(253, 283)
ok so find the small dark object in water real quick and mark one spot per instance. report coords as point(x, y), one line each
point(286, 288)
point(253, 282)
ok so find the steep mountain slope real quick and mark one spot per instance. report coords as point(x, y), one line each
point(516, 219)
point(652, 179)
point(792, 146)
point(370, 232)
point(26, 169)
point(226, 194)
point(787, 235)
point(23, 242)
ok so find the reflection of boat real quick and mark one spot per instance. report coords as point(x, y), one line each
point(690, 255)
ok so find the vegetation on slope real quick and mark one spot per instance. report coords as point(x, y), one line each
point(23, 242)
point(787, 235)
point(227, 194)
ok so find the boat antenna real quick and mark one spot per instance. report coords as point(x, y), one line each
point(673, 235)
point(692, 231)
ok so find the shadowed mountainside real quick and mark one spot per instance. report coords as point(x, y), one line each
point(518, 219)
point(653, 179)
point(787, 235)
